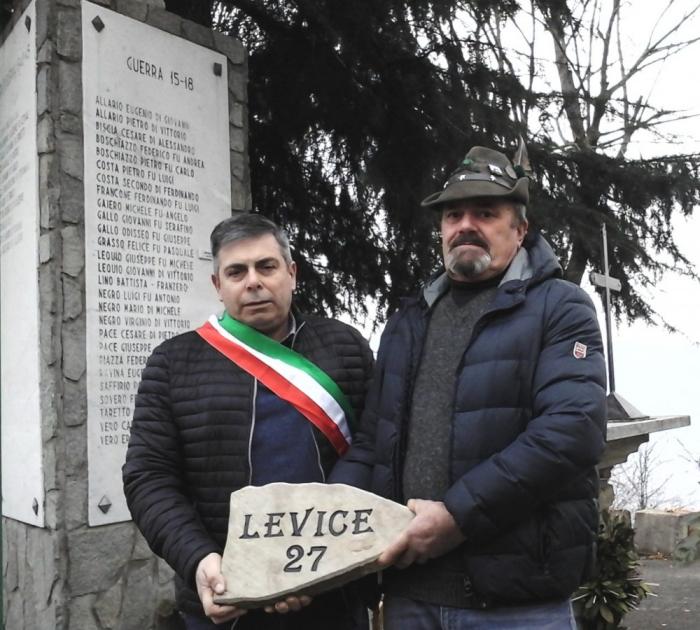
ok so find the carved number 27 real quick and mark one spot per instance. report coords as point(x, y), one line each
point(296, 552)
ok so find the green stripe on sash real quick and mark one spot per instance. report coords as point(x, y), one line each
point(276, 350)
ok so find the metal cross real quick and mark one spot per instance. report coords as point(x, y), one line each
point(609, 283)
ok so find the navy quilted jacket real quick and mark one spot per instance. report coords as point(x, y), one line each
point(191, 433)
point(527, 430)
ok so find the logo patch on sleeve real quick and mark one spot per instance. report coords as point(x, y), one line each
point(580, 350)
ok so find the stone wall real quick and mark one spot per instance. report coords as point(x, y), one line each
point(68, 575)
point(660, 531)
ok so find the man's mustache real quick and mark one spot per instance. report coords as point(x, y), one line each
point(469, 239)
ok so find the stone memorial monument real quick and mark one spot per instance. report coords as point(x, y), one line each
point(155, 136)
point(123, 141)
point(19, 277)
point(294, 539)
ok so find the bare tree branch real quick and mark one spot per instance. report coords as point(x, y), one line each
point(600, 101)
point(555, 27)
point(637, 484)
point(651, 54)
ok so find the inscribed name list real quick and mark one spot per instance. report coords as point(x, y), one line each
point(288, 539)
point(157, 180)
point(22, 477)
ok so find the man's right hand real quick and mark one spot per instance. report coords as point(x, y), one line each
point(432, 533)
point(210, 582)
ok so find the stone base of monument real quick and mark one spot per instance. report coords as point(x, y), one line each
point(660, 531)
point(303, 539)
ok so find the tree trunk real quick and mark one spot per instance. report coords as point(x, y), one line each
point(577, 263)
point(569, 91)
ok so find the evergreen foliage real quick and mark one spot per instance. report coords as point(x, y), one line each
point(616, 589)
point(360, 109)
point(352, 123)
point(5, 13)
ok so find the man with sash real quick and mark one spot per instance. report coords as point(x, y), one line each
point(487, 416)
point(258, 394)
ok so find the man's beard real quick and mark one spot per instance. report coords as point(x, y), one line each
point(467, 268)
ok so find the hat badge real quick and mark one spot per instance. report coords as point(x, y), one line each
point(495, 170)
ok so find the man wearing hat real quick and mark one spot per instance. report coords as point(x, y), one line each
point(487, 416)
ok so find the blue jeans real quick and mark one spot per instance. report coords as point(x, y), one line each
point(401, 613)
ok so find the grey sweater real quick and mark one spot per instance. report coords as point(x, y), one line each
point(426, 474)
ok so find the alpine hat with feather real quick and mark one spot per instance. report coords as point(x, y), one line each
point(486, 173)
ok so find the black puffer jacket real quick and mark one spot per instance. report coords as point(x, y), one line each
point(528, 427)
point(191, 432)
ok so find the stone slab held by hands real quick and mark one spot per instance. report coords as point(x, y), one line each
point(293, 539)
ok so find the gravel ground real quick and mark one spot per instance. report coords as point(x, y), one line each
point(677, 604)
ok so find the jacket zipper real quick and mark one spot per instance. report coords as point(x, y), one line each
point(318, 454)
point(252, 425)
point(294, 336)
point(403, 419)
point(252, 429)
point(479, 325)
point(252, 418)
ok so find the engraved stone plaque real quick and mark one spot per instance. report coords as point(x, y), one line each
point(290, 539)
point(22, 476)
point(157, 180)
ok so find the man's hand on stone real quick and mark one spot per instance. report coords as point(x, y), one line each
point(290, 604)
point(210, 582)
point(432, 533)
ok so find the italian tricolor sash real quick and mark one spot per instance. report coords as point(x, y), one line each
point(286, 373)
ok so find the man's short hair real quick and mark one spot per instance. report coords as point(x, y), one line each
point(244, 226)
point(520, 210)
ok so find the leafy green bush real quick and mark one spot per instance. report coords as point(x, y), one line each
point(617, 587)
